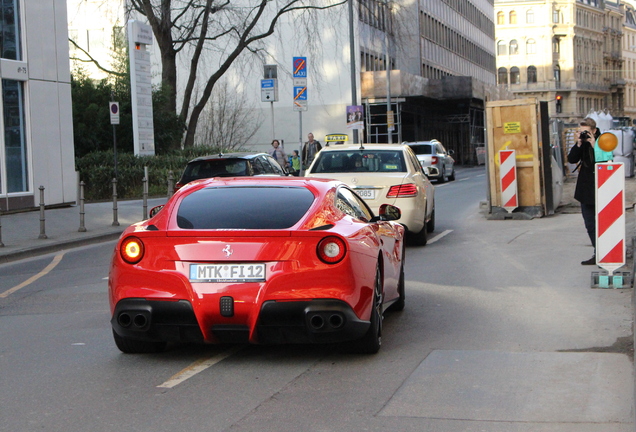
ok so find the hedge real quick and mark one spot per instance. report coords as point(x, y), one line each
point(97, 171)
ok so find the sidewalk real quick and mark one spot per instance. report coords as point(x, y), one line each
point(20, 231)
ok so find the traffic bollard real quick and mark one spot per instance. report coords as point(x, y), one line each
point(170, 184)
point(144, 181)
point(82, 228)
point(42, 220)
point(115, 221)
point(1, 244)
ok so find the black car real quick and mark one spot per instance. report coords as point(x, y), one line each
point(230, 165)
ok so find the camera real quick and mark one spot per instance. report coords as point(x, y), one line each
point(584, 135)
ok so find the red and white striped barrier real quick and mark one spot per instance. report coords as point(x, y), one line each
point(508, 179)
point(610, 215)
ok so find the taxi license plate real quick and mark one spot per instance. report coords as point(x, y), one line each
point(227, 272)
point(366, 193)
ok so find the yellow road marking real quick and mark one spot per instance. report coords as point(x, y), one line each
point(197, 367)
point(47, 269)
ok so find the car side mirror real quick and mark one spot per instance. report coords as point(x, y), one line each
point(451, 152)
point(155, 210)
point(388, 212)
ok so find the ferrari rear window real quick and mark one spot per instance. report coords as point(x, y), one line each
point(252, 207)
point(359, 161)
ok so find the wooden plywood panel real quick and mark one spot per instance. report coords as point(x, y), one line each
point(513, 125)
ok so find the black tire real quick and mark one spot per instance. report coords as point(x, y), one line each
point(133, 346)
point(372, 340)
point(452, 176)
point(420, 238)
point(430, 225)
point(442, 176)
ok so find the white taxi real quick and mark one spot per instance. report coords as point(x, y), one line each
point(383, 174)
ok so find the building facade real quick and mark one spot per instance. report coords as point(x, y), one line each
point(36, 146)
point(566, 52)
point(440, 53)
point(629, 60)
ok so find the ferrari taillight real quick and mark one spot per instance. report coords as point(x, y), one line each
point(132, 250)
point(434, 160)
point(403, 190)
point(331, 250)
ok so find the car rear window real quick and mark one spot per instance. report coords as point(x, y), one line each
point(422, 149)
point(215, 168)
point(257, 207)
point(359, 161)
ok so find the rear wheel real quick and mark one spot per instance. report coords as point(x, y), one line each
point(442, 177)
point(420, 238)
point(370, 343)
point(430, 225)
point(451, 177)
point(133, 346)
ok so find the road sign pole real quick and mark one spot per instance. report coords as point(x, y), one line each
point(300, 139)
point(272, 110)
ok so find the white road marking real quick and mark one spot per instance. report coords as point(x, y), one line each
point(439, 236)
point(197, 367)
point(47, 269)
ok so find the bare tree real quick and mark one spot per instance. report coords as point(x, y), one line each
point(216, 28)
point(228, 120)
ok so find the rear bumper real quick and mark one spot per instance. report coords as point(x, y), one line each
point(314, 321)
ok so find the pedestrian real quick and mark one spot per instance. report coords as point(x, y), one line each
point(278, 153)
point(295, 163)
point(310, 149)
point(582, 153)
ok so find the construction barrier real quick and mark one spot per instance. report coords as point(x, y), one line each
point(508, 177)
point(610, 216)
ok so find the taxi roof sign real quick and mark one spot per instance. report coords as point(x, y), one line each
point(337, 138)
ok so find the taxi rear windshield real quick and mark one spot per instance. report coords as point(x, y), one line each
point(244, 207)
point(359, 161)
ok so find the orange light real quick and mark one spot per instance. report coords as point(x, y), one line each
point(132, 250)
point(137, 46)
point(607, 141)
point(558, 97)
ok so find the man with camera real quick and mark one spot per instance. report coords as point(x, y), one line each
point(582, 153)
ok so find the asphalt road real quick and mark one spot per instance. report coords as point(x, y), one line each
point(501, 332)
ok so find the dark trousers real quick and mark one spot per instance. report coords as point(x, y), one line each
point(589, 218)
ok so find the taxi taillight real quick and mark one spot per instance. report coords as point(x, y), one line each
point(132, 250)
point(403, 190)
point(331, 250)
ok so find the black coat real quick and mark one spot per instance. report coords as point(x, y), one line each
point(585, 191)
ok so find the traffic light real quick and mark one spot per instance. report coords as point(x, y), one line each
point(559, 109)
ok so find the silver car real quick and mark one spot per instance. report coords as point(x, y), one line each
point(435, 159)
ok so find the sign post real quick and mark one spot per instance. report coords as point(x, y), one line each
point(114, 120)
point(299, 74)
point(139, 37)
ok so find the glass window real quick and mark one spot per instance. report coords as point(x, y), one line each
point(251, 207)
point(530, 17)
point(500, 18)
point(557, 74)
point(556, 45)
point(514, 47)
point(14, 136)
point(555, 16)
point(531, 46)
point(422, 149)
point(502, 76)
point(532, 74)
point(351, 204)
point(359, 161)
point(10, 30)
point(502, 48)
point(214, 168)
point(513, 17)
point(514, 75)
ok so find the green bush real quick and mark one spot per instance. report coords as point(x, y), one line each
point(97, 172)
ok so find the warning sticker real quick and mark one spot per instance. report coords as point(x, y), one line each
point(512, 127)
